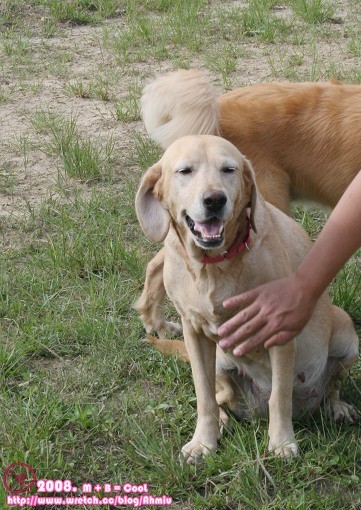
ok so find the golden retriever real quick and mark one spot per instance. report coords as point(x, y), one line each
point(221, 238)
point(303, 140)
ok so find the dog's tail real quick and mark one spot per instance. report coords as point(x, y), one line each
point(178, 104)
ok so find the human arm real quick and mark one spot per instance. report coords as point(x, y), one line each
point(277, 311)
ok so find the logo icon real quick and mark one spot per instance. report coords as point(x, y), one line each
point(19, 477)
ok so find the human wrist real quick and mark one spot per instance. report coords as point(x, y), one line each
point(308, 285)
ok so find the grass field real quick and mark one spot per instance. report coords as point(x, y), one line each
point(82, 397)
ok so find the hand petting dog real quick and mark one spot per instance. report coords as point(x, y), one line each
point(275, 312)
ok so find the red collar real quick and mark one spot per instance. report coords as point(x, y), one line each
point(237, 247)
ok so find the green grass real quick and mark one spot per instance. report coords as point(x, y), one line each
point(127, 109)
point(259, 21)
point(82, 397)
point(80, 156)
point(98, 88)
point(7, 177)
point(74, 12)
point(313, 11)
point(82, 11)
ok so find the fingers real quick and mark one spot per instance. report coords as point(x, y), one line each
point(238, 320)
point(278, 339)
point(248, 345)
point(244, 299)
point(258, 340)
point(271, 314)
point(242, 326)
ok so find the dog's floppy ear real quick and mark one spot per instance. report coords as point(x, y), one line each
point(249, 175)
point(153, 217)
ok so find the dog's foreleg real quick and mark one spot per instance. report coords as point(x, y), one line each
point(202, 355)
point(281, 435)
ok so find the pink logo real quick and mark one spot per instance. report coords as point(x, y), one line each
point(19, 477)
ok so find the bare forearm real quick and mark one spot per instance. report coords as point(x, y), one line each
point(338, 240)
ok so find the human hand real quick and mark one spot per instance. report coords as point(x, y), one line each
point(272, 314)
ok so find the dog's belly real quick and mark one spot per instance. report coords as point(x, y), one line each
point(251, 380)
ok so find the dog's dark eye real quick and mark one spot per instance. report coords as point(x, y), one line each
point(228, 169)
point(185, 171)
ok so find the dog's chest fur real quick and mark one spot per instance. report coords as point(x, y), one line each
point(198, 295)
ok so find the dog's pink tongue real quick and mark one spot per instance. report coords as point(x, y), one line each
point(212, 228)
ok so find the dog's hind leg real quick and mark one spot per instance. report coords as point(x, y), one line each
point(225, 396)
point(150, 305)
point(343, 351)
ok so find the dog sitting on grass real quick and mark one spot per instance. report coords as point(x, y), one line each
point(222, 238)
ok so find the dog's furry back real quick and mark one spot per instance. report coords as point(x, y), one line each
point(179, 104)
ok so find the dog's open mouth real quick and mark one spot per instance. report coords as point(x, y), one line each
point(209, 234)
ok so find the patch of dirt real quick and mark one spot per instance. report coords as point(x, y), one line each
point(29, 175)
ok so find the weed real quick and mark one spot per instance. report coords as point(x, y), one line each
point(354, 46)
point(80, 156)
point(224, 62)
point(313, 11)
point(15, 45)
point(146, 152)
point(259, 21)
point(11, 12)
point(127, 109)
point(82, 11)
point(97, 88)
point(7, 177)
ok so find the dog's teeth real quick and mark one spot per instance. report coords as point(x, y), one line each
point(212, 237)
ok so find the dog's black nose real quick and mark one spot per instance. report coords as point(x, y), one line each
point(214, 200)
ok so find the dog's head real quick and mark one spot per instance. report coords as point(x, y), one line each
point(203, 185)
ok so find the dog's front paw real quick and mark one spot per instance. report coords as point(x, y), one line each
point(340, 412)
point(286, 450)
point(283, 444)
point(195, 450)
